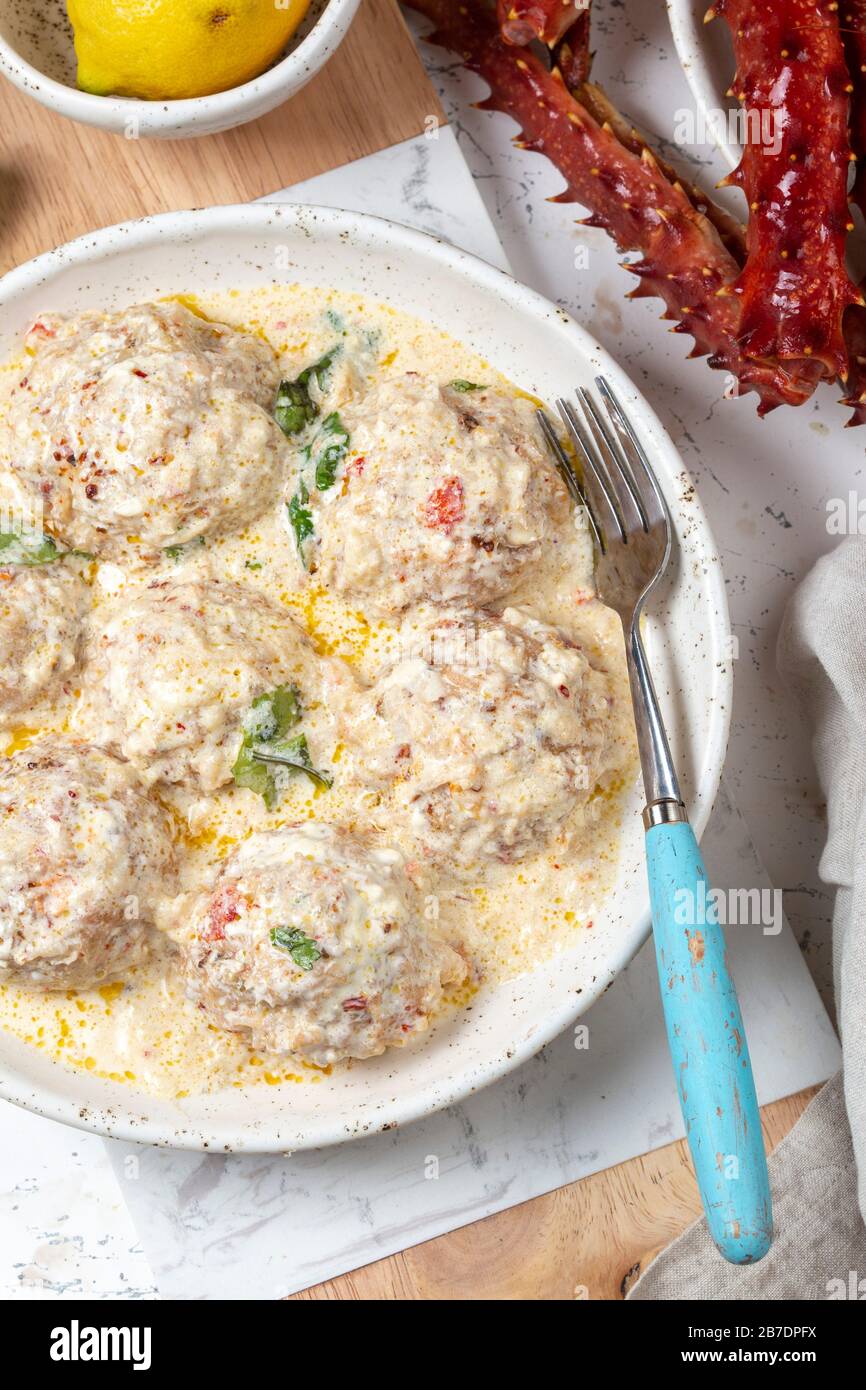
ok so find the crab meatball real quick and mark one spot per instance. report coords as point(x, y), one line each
point(173, 675)
point(488, 730)
point(41, 613)
point(145, 428)
point(443, 495)
point(83, 856)
point(313, 942)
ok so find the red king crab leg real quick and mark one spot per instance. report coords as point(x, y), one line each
point(793, 84)
point(562, 24)
point(571, 55)
point(731, 232)
point(852, 17)
point(521, 21)
point(684, 261)
point(855, 341)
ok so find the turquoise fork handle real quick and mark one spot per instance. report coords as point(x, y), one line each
point(708, 1046)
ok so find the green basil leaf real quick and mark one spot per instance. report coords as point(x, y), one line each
point(29, 548)
point(330, 448)
point(459, 384)
point(269, 717)
point(179, 552)
point(255, 777)
point(302, 949)
point(294, 753)
point(301, 518)
point(294, 407)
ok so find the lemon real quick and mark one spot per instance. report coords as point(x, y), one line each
point(160, 50)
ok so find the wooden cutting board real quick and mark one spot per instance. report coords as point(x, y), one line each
point(59, 179)
point(589, 1240)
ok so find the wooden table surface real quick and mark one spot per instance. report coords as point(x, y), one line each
point(59, 180)
point(589, 1240)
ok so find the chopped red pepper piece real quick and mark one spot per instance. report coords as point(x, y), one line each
point(356, 1005)
point(444, 507)
point(223, 909)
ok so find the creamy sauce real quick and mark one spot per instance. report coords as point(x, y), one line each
point(142, 1031)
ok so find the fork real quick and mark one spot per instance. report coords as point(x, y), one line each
point(632, 534)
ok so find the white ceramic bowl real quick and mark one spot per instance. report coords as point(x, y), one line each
point(707, 57)
point(37, 54)
point(547, 353)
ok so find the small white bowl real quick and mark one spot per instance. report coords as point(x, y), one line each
point(37, 54)
point(707, 58)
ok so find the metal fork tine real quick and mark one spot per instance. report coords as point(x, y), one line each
point(655, 506)
point(569, 477)
point(628, 494)
point(597, 484)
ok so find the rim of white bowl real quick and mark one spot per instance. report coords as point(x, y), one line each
point(314, 48)
point(136, 1127)
point(690, 41)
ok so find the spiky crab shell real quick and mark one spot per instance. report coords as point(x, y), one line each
point(683, 259)
point(521, 21)
point(852, 16)
point(793, 85)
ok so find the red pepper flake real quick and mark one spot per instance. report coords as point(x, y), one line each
point(564, 690)
point(356, 1005)
point(91, 491)
point(136, 371)
point(356, 467)
point(444, 507)
point(404, 751)
point(223, 909)
point(43, 329)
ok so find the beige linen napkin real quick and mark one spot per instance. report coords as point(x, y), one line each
point(820, 1247)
